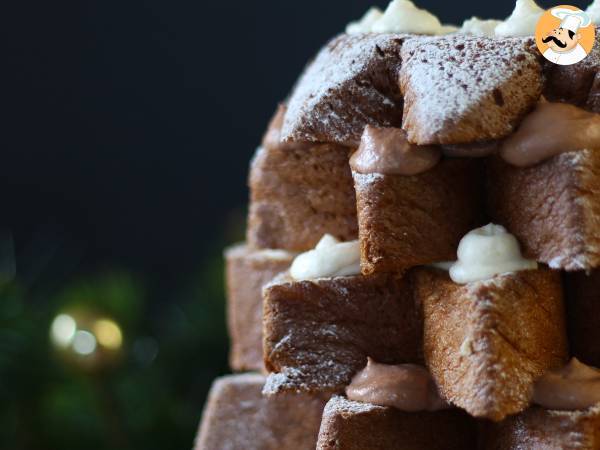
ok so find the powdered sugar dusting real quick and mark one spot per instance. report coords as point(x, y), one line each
point(323, 376)
point(237, 416)
point(591, 412)
point(345, 89)
point(341, 405)
point(241, 250)
point(365, 179)
point(461, 89)
point(590, 205)
point(582, 252)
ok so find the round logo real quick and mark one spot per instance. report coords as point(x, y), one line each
point(565, 35)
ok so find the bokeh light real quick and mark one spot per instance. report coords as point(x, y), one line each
point(108, 334)
point(63, 330)
point(87, 340)
point(84, 343)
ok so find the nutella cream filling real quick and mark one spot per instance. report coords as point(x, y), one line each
point(387, 151)
point(406, 387)
point(576, 386)
point(330, 258)
point(486, 252)
point(552, 128)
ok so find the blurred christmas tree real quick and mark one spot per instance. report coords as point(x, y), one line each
point(107, 361)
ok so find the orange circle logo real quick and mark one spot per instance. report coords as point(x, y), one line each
point(565, 35)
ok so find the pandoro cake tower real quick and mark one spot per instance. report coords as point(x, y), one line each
point(422, 264)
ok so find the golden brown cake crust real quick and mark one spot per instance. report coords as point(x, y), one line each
point(298, 195)
point(349, 425)
point(486, 342)
point(247, 271)
point(543, 429)
point(406, 221)
point(318, 334)
point(553, 208)
point(238, 417)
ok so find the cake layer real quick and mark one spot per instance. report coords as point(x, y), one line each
point(461, 89)
point(349, 425)
point(553, 208)
point(487, 342)
point(406, 221)
point(583, 316)
point(539, 428)
point(238, 417)
point(351, 83)
point(457, 89)
point(298, 194)
point(247, 271)
point(318, 333)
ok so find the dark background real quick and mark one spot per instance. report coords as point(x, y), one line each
point(125, 142)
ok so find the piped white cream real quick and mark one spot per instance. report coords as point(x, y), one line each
point(522, 21)
point(330, 258)
point(365, 24)
point(486, 252)
point(594, 12)
point(401, 16)
point(448, 29)
point(479, 27)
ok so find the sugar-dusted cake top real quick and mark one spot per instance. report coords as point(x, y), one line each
point(445, 86)
point(461, 89)
point(457, 88)
point(339, 404)
point(351, 83)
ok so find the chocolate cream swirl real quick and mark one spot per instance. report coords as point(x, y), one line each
point(387, 151)
point(551, 129)
point(406, 387)
point(574, 387)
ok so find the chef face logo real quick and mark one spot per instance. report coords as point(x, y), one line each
point(561, 40)
point(565, 35)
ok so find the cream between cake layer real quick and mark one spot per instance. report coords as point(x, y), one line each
point(387, 151)
point(551, 129)
point(330, 258)
point(486, 252)
point(574, 387)
point(407, 387)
